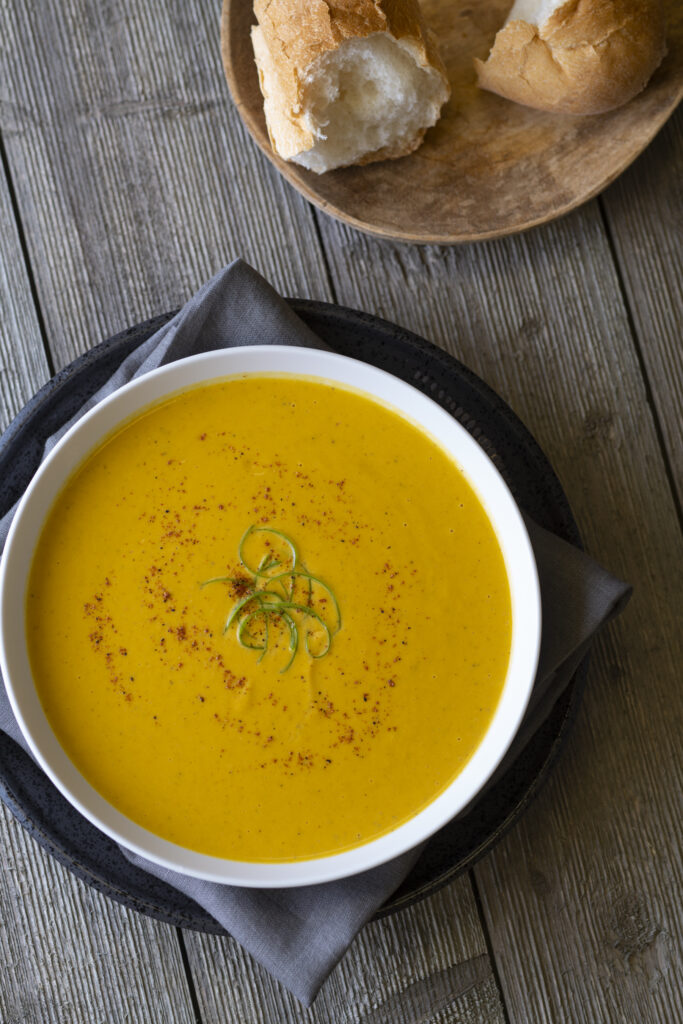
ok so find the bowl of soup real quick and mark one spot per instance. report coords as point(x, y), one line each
point(269, 616)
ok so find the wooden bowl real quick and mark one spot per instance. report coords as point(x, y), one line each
point(489, 167)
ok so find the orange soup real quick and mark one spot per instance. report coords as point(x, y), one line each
point(268, 619)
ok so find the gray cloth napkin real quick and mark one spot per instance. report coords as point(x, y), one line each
point(300, 934)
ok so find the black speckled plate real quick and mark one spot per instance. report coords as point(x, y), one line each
point(94, 858)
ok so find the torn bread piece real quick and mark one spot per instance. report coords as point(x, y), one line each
point(346, 82)
point(575, 56)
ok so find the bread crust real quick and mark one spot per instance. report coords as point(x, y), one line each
point(292, 34)
point(588, 57)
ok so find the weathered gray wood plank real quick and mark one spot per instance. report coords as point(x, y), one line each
point(645, 214)
point(69, 954)
point(134, 176)
point(66, 953)
point(23, 364)
point(581, 898)
point(418, 966)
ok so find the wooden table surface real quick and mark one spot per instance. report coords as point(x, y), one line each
point(126, 181)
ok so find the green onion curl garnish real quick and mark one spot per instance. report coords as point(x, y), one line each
point(263, 602)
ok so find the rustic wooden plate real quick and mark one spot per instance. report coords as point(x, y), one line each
point(489, 167)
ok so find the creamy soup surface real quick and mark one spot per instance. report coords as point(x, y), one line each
point(242, 743)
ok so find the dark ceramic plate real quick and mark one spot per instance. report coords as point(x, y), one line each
point(94, 858)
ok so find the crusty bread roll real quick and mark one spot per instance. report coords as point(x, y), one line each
point(575, 56)
point(346, 82)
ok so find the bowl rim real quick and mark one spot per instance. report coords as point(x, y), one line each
point(145, 391)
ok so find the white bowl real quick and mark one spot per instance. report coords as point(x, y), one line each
point(482, 476)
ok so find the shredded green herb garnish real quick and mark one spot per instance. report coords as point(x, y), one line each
point(272, 594)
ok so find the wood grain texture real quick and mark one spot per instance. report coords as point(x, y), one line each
point(489, 167)
point(419, 966)
point(647, 238)
point(583, 896)
point(67, 954)
point(23, 365)
point(131, 166)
